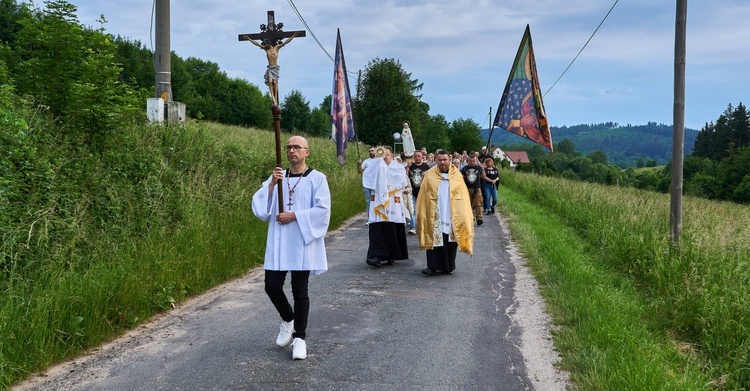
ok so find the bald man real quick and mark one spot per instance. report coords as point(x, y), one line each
point(295, 241)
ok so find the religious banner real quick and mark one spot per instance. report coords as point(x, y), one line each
point(342, 128)
point(521, 109)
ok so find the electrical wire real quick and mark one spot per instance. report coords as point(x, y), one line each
point(307, 27)
point(485, 121)
point(584, 46)
point(299, 15)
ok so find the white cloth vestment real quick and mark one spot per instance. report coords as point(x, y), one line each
point(388, 182)
point(298, 245)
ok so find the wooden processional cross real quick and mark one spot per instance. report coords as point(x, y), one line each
point(271, 40)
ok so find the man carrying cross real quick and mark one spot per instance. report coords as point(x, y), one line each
point(295, 242)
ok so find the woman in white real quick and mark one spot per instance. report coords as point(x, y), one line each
point(408, 140)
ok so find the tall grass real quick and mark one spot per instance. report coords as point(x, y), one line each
point(193, 229)
point(696, 297)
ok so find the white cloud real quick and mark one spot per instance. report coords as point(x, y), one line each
point(463, 49)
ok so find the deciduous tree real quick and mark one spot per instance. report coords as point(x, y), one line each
point(598, 157)
point(436, 134)
point(296, 114)
point(465, 134)
point(387, 97)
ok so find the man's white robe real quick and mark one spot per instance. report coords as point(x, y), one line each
point(300, 244)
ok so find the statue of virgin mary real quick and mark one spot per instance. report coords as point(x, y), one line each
point(408, 140)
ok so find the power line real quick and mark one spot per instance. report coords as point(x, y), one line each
point(485, 120)
point(584, 46)
point(307, 27)
point(299, 15)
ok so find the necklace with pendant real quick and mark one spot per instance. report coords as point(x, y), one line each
point(291, 190)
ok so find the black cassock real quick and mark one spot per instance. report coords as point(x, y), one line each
point(387, 241)
point(443, 258)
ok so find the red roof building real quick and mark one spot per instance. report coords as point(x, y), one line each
point(518, 157)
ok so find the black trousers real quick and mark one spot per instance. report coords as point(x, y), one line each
point(275, 291)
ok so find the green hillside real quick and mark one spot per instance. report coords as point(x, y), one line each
point(623, 145)
point(632, 311)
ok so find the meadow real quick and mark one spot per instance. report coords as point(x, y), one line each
point(632, 311)
point(165, 215)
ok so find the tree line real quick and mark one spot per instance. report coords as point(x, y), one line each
point(38, 65)
point(625, 146)
point(718, 168)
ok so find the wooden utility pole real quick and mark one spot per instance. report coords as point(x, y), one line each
point(271, 36)
point(489, 138)
point(678, 139)
point(162, 52)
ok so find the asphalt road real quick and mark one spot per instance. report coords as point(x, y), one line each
point(387, 328)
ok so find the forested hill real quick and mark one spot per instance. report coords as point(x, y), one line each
point(623, 145)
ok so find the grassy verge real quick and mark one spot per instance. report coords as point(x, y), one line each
point(190, 229)
point(632, 312)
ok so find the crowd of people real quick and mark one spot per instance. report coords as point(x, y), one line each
point(478, 168)
point(439, 197)
point(404, 194)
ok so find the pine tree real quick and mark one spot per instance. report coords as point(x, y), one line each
point(739, 124)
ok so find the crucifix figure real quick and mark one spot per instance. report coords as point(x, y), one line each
point(271, 37)
point(270, 40)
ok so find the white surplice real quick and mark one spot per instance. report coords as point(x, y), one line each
point(388, 182)
point(300, 244)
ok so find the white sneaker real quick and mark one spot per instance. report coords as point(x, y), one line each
point(299, 349)
point(413, 231)
point(285, 333)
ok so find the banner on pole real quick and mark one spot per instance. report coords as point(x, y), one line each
point(342, 120)
point(521, 109)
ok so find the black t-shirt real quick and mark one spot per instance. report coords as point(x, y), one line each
point(491, 173)
point(416, 174)
point(472, 176)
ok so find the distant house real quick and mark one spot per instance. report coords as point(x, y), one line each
point(514, 157)
point(518, 157)
point(498, 153)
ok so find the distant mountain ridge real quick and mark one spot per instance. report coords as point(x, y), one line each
point(623, 145)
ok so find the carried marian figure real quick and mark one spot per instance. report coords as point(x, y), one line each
point(408, 141)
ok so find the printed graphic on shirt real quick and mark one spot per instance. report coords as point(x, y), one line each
point(416, 177)
point(472, 175)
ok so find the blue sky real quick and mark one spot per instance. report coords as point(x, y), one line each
point(462, 50)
